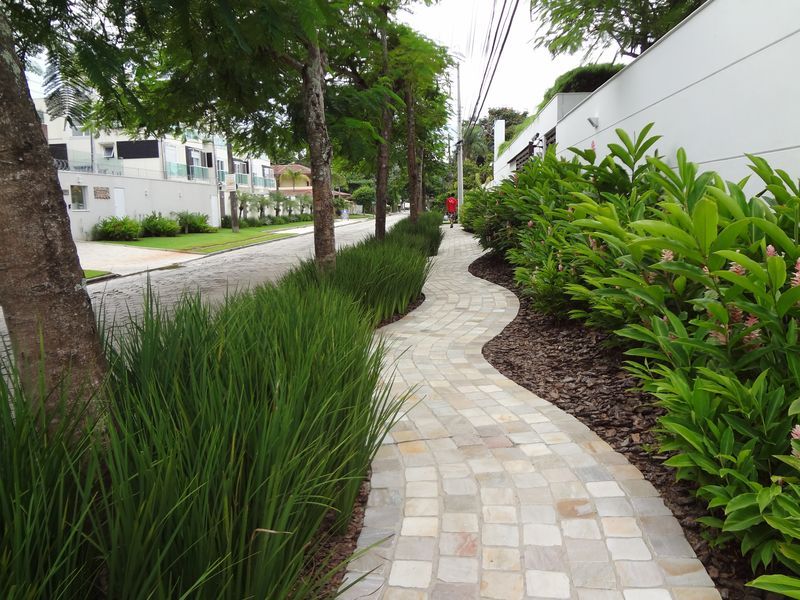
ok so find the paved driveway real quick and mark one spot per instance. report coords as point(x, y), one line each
point(124, 260)
point(216, 275)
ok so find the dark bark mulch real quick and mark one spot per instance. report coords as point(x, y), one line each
point(576, 369)
point(335, 550)
point(411, 306)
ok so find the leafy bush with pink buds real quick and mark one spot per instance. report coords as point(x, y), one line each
point(702, 282)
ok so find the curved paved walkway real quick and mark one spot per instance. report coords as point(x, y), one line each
point(485, 490)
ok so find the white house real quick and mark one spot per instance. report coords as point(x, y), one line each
point(112, 174)
point(721, 84)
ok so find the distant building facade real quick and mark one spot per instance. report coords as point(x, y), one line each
point(111, 174)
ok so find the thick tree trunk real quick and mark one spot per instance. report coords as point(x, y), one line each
point(421, 179)
point(233, 196)
point(411, 154)
point(382, 176)
point(382, 179)
point(321, 154)
point(45, 304)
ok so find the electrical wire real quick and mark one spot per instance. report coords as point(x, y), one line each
point(493, 59)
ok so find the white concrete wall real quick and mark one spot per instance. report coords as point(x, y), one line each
point(549, 116)
point(723, 83)
point(142, 196)
point(543, 123)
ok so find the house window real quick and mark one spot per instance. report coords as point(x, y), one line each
point(77, 195)
point(240, 166)
point(266, 172)
point(79, 132)
point(108, 151)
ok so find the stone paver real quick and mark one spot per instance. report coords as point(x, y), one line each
point(488, 491)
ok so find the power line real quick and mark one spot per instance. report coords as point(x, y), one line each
point(498, 25)
point(480, 102)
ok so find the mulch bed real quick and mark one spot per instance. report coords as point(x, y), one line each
point(334, 551)
point(576, 369)
point(411, 306)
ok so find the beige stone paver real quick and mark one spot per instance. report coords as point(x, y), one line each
point(485, 490)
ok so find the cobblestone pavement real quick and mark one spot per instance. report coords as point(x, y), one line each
point(485, 490)
point(216, 275)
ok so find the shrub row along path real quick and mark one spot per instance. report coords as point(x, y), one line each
point(485, 490)
point(216, 275)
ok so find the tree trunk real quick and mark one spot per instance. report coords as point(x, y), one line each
point(421, 178)
point(233, 196)
point(321, 154)
point(382, 176)
point(411, 154)
point(45, 304)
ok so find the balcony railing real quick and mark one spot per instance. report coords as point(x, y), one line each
point(199, 173)
point(221, 176)
point(177, 170)
point(260, 182)
point(242, 179)
point(82, 162)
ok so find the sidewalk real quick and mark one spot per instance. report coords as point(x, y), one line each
point(485, 490)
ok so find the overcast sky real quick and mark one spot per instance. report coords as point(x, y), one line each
point(524, 73)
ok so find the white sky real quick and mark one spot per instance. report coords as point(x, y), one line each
point(524, 73)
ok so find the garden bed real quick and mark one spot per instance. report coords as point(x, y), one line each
point(573, 367)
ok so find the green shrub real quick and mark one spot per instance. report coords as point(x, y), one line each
point(703, 285)
point(236, 433)
point(116, 229)
point(190, 222)
point(383, 277)
point(250, 222)
point(365, 196)
point(427, 233)
point(225, 222)
point(280, 220)
point(154, 225)
point(306, 217)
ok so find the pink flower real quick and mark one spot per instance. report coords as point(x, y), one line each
point(667, 256)
point(796, 276)
point(771, 251)
point(530, 223)
point(735, 314)
point(719, 336)
point(754, 336)
point(592, 243)
point(649, 277)
point(560, 267)
point(796, 432)
point(706, 271)
point(571, 210)
point(737, 268)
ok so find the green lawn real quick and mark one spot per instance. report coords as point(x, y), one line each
point(205, 243)
point(362, 216)
point(90, 274)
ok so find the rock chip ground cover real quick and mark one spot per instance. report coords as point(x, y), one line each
point(486, 490)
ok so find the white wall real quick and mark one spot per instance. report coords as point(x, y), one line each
point(549, 116)
point(141, 197)
point(723, 83)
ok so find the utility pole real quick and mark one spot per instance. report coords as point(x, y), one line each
point(460, 143)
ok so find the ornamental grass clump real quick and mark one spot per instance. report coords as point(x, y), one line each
point(382, 277)
point(701, 283)
point(238, 438)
